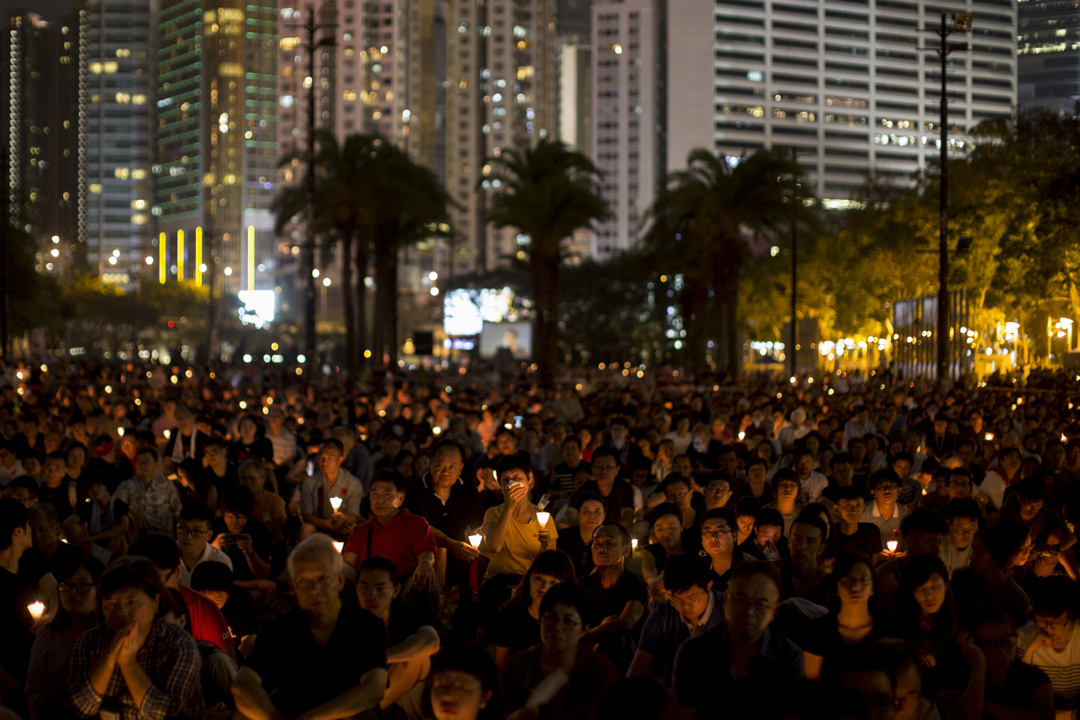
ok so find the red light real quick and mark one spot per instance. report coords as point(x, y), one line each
point(170, 323)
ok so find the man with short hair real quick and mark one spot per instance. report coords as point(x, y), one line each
point(727, 670)
point(220, 472)
point(1000, 477)
point(884, 511)
point(322, 659)
point(962, 516)
point(806, 545)
point(331, 481)
point(193, 532)
point(811, 482)
point(854, 536)
point(616, 494)
point(693, 608)
point(185, 441)
point(17, 590)
point(410, 641)
point(281, 439)
point(153, 501)
point(619, 596)
point(921, 533)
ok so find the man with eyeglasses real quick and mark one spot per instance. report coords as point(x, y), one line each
point(323, 658)
point(193, 536)
point(616, 494)
point(884, 511)
point(731, 668)
point(153, 501)
point(1052, 643)
point(694, 607)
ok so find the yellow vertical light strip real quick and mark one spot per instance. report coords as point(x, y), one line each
point(251, 258)
point(163, 250)
point(180, 255)
point(198, 256)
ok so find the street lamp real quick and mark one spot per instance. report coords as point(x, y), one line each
point(961, 23)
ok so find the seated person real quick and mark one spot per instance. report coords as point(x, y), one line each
point(718, 534)
point(963, 517)
point(135, 664)
point(805, 575)
point(319, 490)
point(576, 541)
point(323, 657)
point(767, 542)
point(693, 608)
point(268, 507)
point(517, 623)
point(855, 537)
point(619, 597)
point(410, 642)
point(561, 678)
point(666, 521)
point(104, 519)
point(921, 533)
point(463, 685)
point(214, 581)
point(245, 540)
point(396, 533)
point(986, 579)
point(728, 669)
point(1052, 642)
point(1009, 686)
point(193, 532)
point(50, 659)
point(218, 669)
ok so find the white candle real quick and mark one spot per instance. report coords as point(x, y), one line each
point(633, 544)
point(168, 433)
point(37, 609)
point(892, 545)
point(338, 546)
point(475, 540)
point(335, 502)
point(542, 518)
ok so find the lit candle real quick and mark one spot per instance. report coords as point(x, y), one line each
point(892, 545)
point(542, 518)
point(989, 436)
point(37, 609)
point(338, 546)
point(168, 434)
point(633, 544)
point(475, 540)
point(335, 503)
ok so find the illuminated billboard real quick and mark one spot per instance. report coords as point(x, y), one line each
point(465, 310)
point(514, 336)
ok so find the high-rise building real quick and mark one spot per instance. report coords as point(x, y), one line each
point(852, 88)
point(502, 95)
point(216, 140)
point(44, 111)
point(575, 92)
point(628, 122)
point(1049, 48)
point(121, 86)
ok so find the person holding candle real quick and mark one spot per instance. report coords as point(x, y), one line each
point(921, 533)
point(883, 511)
point(330, 481)
point(854, 536)
point(50, 659)
point(666, 520)
point(135, 663)
point(517, 624)
point(18, 590)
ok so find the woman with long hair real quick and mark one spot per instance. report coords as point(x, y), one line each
point(50, 659)
point(850, 621)
point(926, 617)
point(517, 624)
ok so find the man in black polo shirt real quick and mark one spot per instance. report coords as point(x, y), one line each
point(451, 506)
point(615, 494)
point(322, 658)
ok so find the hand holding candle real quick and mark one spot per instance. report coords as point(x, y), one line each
point(335, 502)
point(36, 609)
point(338, 546)
point(892, 544)
point(475, 540)
point(542, 518)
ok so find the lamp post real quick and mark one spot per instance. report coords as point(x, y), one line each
point(327, 17)
point(961, 22)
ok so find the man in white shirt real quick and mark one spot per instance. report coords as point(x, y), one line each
point(193, 532)
point(788, 435)
point(883, 510)
point(998, 478)
point(811, 482)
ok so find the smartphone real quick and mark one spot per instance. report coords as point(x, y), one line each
point(517, 421)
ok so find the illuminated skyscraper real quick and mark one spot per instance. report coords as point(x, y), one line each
point(1049, 54)
point(216, 139)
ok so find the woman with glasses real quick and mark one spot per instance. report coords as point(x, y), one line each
point(1052, 643)
point(1011, 690)
point(50, 659)
point(850, 622)
point(559, 678)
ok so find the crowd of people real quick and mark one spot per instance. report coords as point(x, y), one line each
point(195, 542)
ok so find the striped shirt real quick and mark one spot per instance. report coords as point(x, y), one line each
point(1063, 667)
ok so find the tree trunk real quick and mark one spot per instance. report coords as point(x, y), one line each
point(362, 339)
point(385, 299)
point(347, 232)
point(545, 275)
point(695, 321)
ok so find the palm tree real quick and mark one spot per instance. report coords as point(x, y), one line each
point(546, 192)
point(697, 226)
point(341, 173)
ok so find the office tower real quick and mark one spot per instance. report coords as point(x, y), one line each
point(628, 121)
point(216, 140)
point(502, 94)
point(852, 89)
point(44, 106)
point(1049, 49)
point(575, 92)
point(119, 157)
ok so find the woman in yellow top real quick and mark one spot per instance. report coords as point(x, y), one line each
point(513, 535)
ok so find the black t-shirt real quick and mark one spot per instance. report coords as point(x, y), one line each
point(16, 592)
point(404, 621)
point(516, 629)
point(261, 448)
point(240, 612)
point(460, 515)
point(1021, 682)
point(866, 540)
point(821, 637)
point(299, 674)
point(612, 600)
point(580, 553)
point(260, 543)
point(34, 564)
